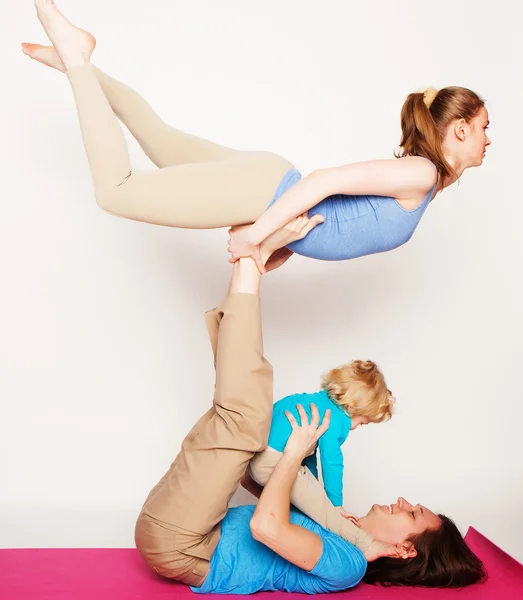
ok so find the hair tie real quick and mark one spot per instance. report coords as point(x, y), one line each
point(429, 95)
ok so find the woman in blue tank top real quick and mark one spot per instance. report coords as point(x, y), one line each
point(375, 206)
point(364, 207)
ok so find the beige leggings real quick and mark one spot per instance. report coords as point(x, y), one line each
point(308, 495)
point(199, 184)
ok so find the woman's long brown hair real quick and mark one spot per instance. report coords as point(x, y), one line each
point(423, 128)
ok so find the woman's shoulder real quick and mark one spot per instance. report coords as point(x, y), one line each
point(400, 178)
point(420, 176)
point(423, 170)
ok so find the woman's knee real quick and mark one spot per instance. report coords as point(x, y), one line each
point(108, 197)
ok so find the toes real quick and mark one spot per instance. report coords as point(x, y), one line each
point(43, 3)
point(30, 49)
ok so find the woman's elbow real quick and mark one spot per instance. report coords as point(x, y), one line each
point(315, 176)
point(320, 182)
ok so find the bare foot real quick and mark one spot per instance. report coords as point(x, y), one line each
point(47, 55)
point(73, 45)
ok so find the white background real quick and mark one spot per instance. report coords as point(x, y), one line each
point(104, 359)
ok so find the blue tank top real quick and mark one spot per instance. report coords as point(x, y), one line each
point(355, 225)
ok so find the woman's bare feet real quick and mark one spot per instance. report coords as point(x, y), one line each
point(73, 45)
point(47, 55)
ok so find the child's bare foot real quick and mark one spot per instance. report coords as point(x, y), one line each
point(47, 55)
point(73, 45)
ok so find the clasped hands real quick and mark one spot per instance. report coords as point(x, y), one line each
point(271, 253)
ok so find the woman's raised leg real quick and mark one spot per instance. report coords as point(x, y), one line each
point(231, 190)
point(163, 144)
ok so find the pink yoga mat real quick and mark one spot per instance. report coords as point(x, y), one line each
point(120, 574)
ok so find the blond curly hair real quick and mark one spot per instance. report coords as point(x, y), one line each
point(359, 388)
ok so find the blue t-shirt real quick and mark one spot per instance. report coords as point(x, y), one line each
point(329, 444)
point(241, 565)
point(355, 225)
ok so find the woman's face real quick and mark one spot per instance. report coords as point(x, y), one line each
point(395, 523)
point(474, 138)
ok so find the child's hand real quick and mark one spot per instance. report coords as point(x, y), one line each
point(349, 516)
point(380, 549)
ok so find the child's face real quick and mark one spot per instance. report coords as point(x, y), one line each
point(357, 421)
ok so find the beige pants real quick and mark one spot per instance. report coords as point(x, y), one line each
point(179, 525)
point(308, 495)
point(199, 184)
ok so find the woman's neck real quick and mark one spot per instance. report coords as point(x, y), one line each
point(456, 165)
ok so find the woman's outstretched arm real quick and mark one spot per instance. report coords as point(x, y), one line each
point(409, 178)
